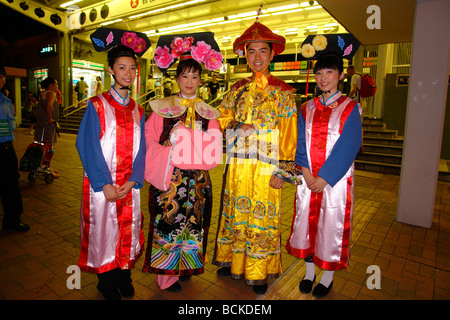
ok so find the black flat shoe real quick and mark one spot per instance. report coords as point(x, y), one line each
point(21, 227)
point(109, 292)
point(127, 290)
point(224, 271)
point(184, 278)
point(260, 288)
point(321, 291)
point(176, 287)
point(306, 285)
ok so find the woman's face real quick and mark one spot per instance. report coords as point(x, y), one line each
point(188, 82)
point(328, 79)
point(124, 70)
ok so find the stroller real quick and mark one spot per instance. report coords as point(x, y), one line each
point(31, 160)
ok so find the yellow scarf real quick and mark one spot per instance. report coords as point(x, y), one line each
point(190, 104)
point(259, 82)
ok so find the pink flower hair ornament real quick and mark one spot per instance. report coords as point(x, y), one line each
point(202, 47)
point(107, 38)
point(163, 58)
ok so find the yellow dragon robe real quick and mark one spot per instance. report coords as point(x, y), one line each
point(249, 230)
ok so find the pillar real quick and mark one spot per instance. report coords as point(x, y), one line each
point(384, 66)
point(425, 112)
point(18, 100)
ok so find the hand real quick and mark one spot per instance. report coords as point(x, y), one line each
point(309, 178)
point(174, 134)
point(276, 183)
point(125, 189)
point(246, 130)
point(110, 193)
point(317, 185)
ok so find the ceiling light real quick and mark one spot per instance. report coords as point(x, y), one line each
point(289, 11)
point(228, 21)
point(290, 6)
point(111, 22)
point(291, 31)
point(69, 3)
point(308, 3)
point(313, 7)
point(247, 14)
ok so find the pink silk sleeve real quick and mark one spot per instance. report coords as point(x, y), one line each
point(158, 170)
point(197, 149)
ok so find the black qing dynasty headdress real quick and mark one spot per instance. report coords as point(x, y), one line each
point(108, 38)
point(201, 47)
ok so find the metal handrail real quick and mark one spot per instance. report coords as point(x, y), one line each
point(84, 106)
point(218, 97)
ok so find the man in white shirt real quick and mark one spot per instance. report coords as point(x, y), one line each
point(355, 87)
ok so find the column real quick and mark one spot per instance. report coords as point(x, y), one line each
point(384, 66)
point(427, 96)
point(18, 100)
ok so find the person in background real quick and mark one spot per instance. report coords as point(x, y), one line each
point(355, 87)
point(11, 198)
point(47, 116)
point(204, 92)
point(98, 85)
point(167, 83)
point(111, 145)
point(213, 87)
point(81, 89)
point(31, 104)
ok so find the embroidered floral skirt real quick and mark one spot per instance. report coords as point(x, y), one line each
point(179, 223)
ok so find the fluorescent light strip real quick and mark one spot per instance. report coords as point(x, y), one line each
point(285, 12)
point(291, 6)
point(313, 7)
point(69, 3)
point(166, 8)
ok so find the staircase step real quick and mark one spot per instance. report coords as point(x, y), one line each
point(398, 141)
point(373, 127)
point(380, 158)
point(386, 149)
point(374, 121)
point(378, 167)
point(381, 133)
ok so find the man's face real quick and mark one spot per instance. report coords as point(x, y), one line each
point(259, 56)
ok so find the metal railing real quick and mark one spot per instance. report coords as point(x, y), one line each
point(77, 106)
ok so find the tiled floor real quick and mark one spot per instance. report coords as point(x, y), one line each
point(414, 262)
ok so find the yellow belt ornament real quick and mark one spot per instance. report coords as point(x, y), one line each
point(190, 104)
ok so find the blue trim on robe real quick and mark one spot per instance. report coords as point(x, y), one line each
point(344, 151)
point(7, 113)
point(91, 155)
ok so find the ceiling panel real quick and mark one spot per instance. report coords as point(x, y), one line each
point(397, 18)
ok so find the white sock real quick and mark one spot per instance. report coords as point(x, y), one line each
point(327, 278)
point(310, 271)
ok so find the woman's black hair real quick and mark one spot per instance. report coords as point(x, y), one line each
point(119, 51)
point(189, 65)
point(47, 82)
point(329, 61)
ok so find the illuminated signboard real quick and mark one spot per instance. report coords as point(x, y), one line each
point(48, 50)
